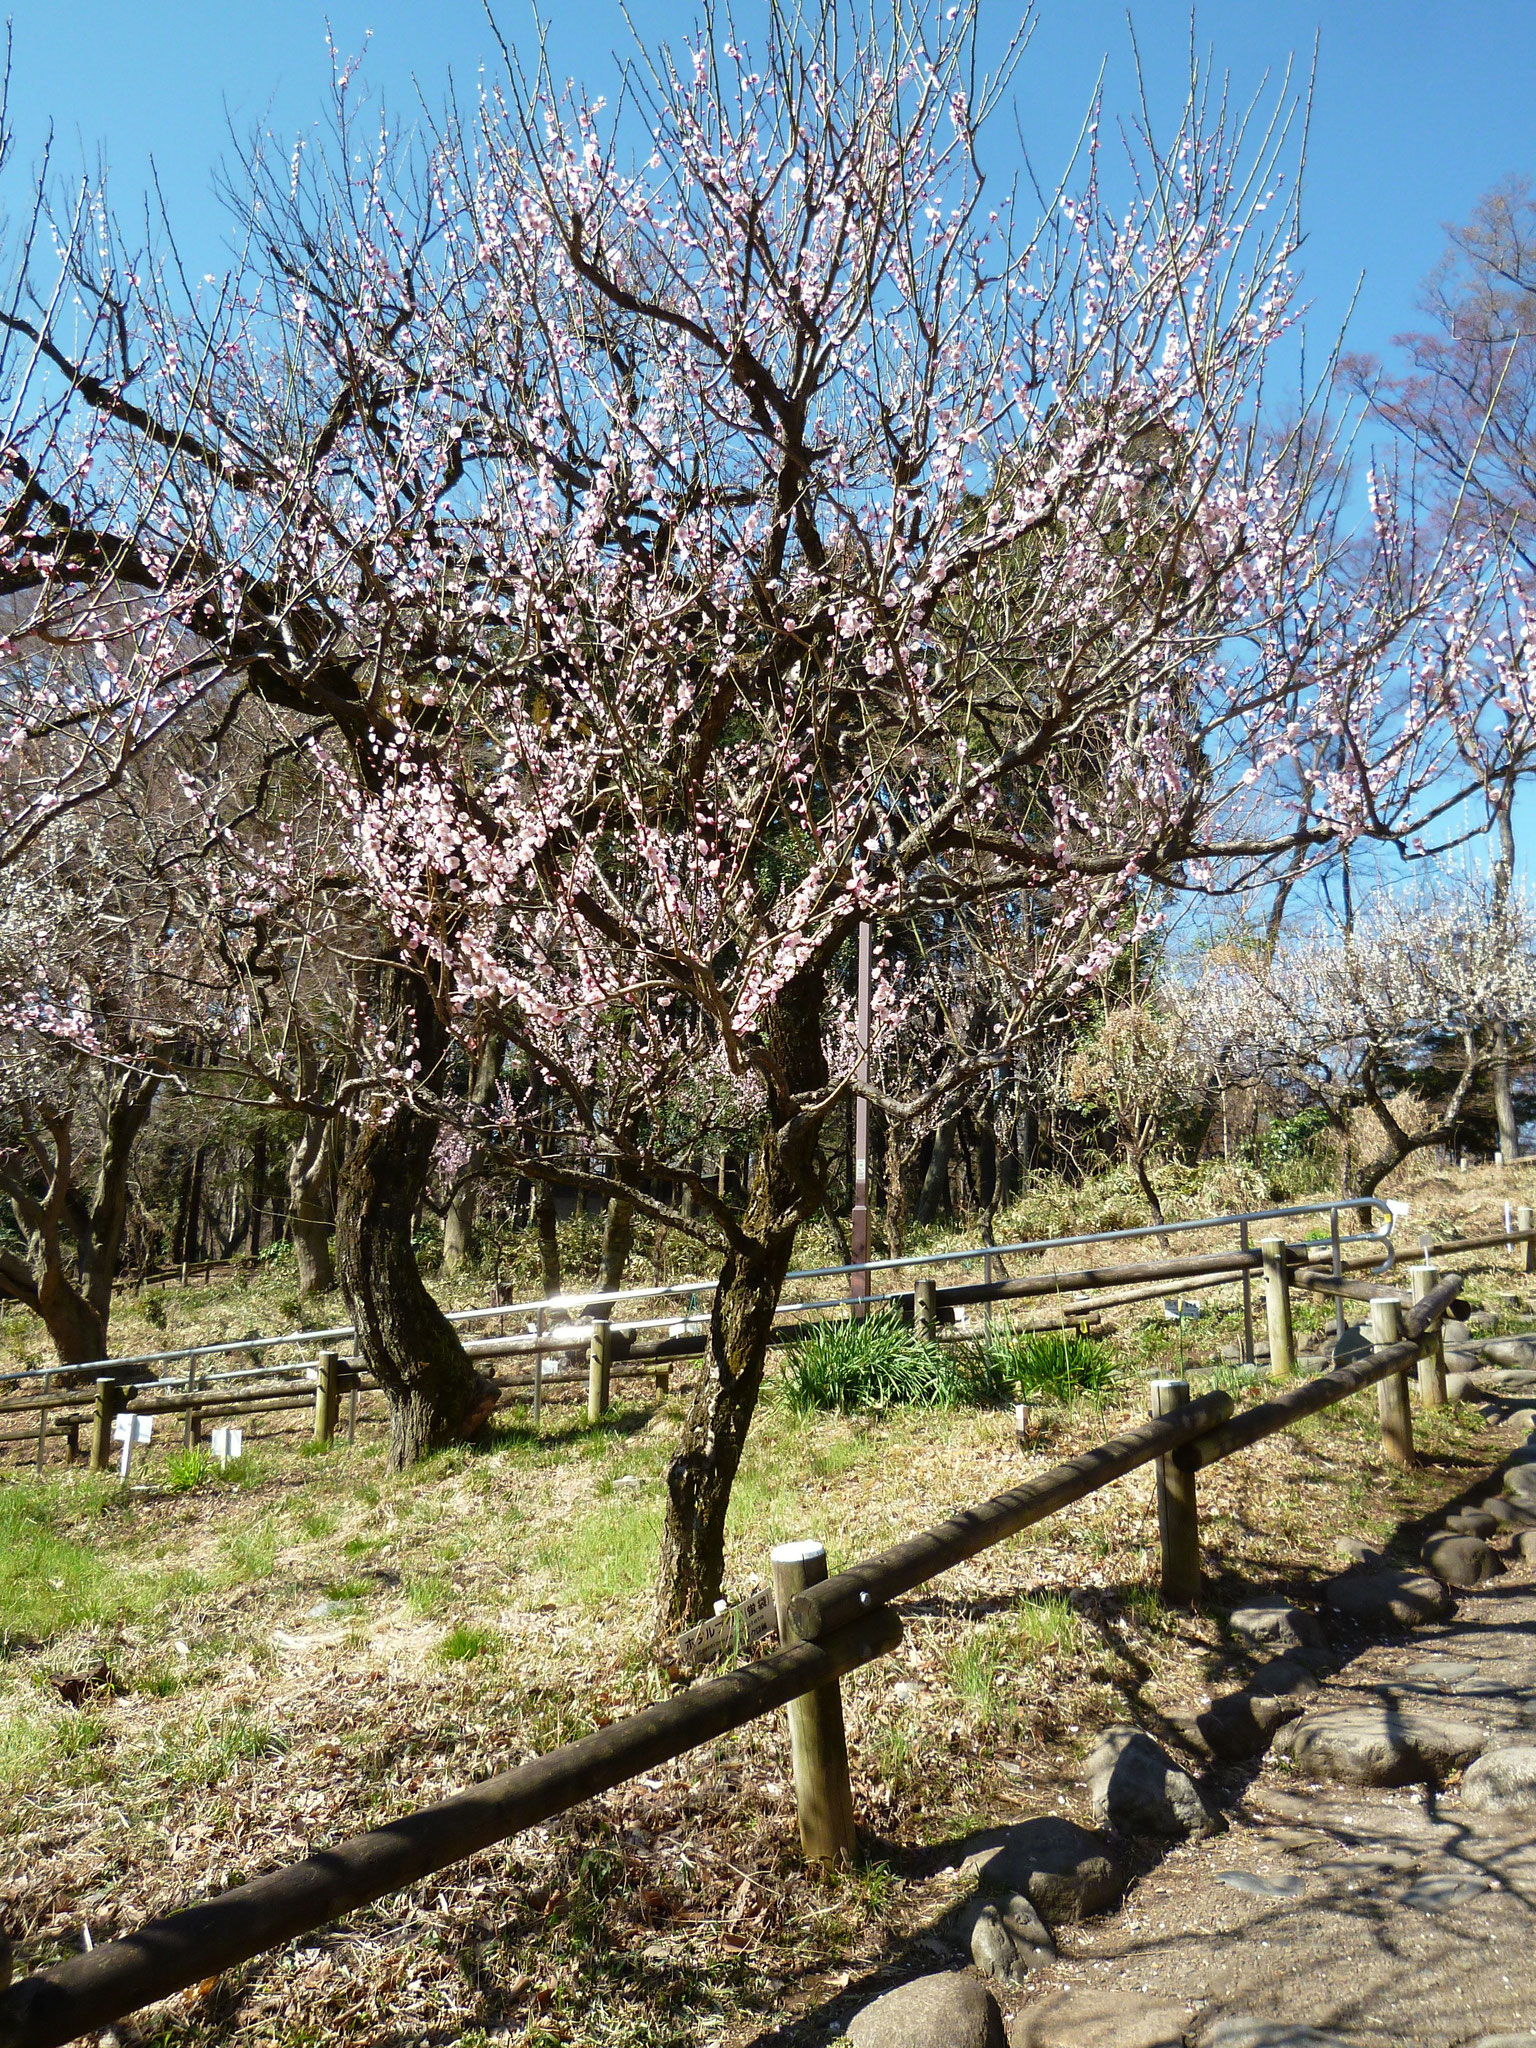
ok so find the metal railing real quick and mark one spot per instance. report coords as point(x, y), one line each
point(554, 1306)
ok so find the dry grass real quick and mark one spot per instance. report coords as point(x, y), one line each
point(314, 1645)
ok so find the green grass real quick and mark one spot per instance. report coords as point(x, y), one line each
point(608, 1553)
point(878, 1362)
point(467, 1645)
point(986, 1667)
point(1049, 1365)
point(52, 1581)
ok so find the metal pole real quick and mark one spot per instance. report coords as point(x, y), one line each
point(1338, 1274)
point(1242, 1239)
point(858, 1222)
point(538, 1370)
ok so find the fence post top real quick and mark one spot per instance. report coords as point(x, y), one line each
point(805, 1552)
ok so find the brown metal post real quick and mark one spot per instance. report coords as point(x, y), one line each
point(817, 1740)
point(1392, 1392)
point(925, 1306)
point(327, 1396)
point(599, 1354)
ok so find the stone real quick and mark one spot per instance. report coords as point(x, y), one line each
point(1355, 1343)
point(1503, 2041)
point(1518, 1352)
point(1241, 2032)
point(1352, 1547)
point(1006, 1941)
point(1473, 1522)
point(1502, 1781)
point(1520, 1484)
point(1258, 1886)
point(1509, 1513)
point(1243, 1724)
point(1275, 1625)
point(1378, 1745)
point(1455, 1330)
point(1441, 1671)
point(1066, 1872)
point(1102, 2019)
point(1458, 1385)
point(1137, 1789)
point(1440, 1894)
point(1462, 1560)
point(950, 2009)
point(1525, 1543)
point(1379, 1596)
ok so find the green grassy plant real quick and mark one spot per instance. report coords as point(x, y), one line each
point(1047, 1365)
point(877, 1362)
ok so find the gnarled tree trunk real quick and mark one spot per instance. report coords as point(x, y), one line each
point(309, 1204)
point(787, 1184)
point(436, 1397)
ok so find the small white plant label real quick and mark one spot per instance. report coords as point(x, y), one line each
point(226, 1444)
point(129, 1430)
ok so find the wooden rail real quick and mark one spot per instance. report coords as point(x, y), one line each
point(827, 1629)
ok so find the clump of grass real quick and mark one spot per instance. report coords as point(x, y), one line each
point(464, 1645)
point(186, 1470)
point(1048, 1365)
point(877, 1362)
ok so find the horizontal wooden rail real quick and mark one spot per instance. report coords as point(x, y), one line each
point(90, 1991)
point(1323, 1391)
point(1480, 1244)
point(821, 1610)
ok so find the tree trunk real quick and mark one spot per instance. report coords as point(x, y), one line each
point(935, 1194)
point(258, 1189)
point(618, 1239)
point(459, 1220)
point(436, 1397)
point(309, 1206)
point(1504, 1095)
point(786, 1186)
point(548, 1237)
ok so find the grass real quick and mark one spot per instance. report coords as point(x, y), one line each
point(878, 1362)
point(465, 1645)
point(1050, 1365)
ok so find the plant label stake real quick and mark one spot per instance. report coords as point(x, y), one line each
point(129, 1430)
point(226, 1444)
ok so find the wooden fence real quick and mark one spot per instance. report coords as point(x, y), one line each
point(827, 1627)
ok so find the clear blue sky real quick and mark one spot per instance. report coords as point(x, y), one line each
point(1419, 107)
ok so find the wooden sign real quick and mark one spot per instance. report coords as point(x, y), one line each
point(729, 1631)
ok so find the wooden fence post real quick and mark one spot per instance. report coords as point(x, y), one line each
point(818, 1745)
point(599, 1353)
point(1525, 1219)
point(1392, 1392)
point(108, 1402)
point(1277, 1307)
point(327, 1396)
point(1432, 1350)
point(925, 1304)
point(1178, 1519)
point(42, 1424)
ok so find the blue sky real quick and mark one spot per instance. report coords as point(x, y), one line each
point(1418, 108)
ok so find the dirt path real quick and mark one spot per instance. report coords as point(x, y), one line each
point(1375, 1916)
point(1324, 1912)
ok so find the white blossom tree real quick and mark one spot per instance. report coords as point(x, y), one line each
point(673, 561)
